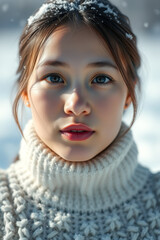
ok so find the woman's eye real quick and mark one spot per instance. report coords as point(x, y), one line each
point(102, 79)
point(53, 78)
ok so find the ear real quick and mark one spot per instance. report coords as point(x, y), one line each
point(25, 99)
point(128, 101)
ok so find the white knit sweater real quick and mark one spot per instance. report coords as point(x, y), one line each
point(110, 197)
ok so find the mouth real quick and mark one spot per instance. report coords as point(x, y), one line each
point(77, 132)
point(77, 135)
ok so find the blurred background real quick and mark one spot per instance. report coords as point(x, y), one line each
point(145, 21)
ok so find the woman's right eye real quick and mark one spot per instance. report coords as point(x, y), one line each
point(53, 78)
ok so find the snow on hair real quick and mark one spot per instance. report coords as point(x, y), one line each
point(62, 6)
point(59, 6)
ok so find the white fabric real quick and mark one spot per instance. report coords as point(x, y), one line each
point(111, 177)
point(110, 197)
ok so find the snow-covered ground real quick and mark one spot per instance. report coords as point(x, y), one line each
point(146, 128)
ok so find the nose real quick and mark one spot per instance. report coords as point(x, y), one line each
point(76, 104)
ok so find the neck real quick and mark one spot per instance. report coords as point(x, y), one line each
point(108, 179)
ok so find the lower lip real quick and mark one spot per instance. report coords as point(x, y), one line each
point(81, 136)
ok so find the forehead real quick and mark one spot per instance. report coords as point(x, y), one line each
point(80, 43)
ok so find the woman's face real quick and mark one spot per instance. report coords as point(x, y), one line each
point(75, 80)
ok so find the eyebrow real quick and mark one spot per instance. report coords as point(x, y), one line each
point(55, 63)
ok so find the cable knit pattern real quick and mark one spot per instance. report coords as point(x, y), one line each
point(110, 197)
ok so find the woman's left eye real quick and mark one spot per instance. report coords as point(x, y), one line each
point(53, 78)
point(102, 79)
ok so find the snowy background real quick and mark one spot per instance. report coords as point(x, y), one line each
point(145, 19)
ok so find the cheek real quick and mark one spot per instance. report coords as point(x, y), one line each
point(110, 104)
point(44, 103)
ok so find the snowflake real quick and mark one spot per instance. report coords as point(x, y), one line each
point(124, 4)
point(113, 223)
point(149, 200)
point(62, 221)
point(132, 210)
point(154, 219)
point(157, 11)
point(5, 7)
point(129, 36)
point(89, 228)
point(146, 24)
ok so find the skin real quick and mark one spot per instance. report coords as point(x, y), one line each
point(78, 97)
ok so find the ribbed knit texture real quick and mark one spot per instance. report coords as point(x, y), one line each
point(110, 197)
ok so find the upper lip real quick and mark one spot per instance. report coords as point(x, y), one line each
point(78, 126)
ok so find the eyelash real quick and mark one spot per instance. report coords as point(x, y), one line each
point(58, 75)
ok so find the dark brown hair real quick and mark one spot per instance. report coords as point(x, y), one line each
point(113, 27)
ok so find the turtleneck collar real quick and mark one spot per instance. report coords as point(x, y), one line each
point(108, 179)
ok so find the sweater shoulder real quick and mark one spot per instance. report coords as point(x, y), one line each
point(4, 189)
point(2, 171)
point(5, 193)
point(4, 196)
point(151, 190)
point(3, 181)
point(4, 186)
point(156, 184)
point(3, 177)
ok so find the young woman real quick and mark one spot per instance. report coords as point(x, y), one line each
point(77, 175)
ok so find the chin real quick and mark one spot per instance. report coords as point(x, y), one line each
point(75, 158)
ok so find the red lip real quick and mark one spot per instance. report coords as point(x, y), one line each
point(77, 136)
point(78, 126)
